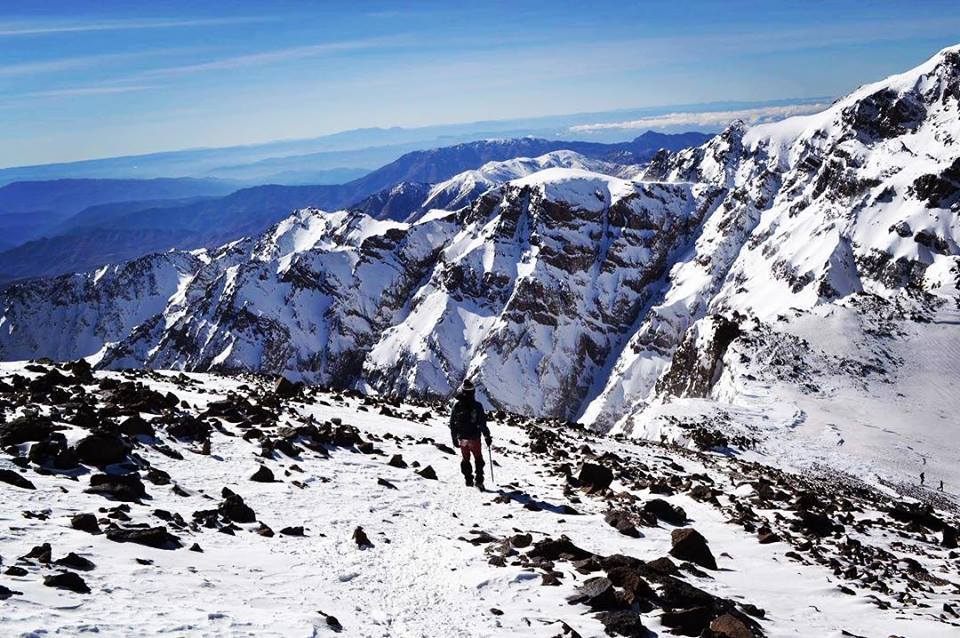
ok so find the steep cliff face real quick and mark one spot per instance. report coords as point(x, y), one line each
point(545, 281)
point(857, 200)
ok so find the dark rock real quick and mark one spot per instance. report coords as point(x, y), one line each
point(73, 561)
point(765, 536)
point(67, 580)
point(729, 626)
point(263, 475)
point(428, 473)
point(594, 477)
point(665, 511)
point(286, 389)
point(397, 461)
point(550, 580)
point(631, 580)
point(13, 570)
point(136, 426)
point(196, 548)
point(598, 593)
point(333, 623)
point(817, 523)
point(157, 537)
point(292, 531)
point(360, 537)
point(6, 593)
point(662, 566)
point(385, 483)
point(15, 479)
point(521, 540)
point(689, 622)
point(623, 623)
point(101, 449)
point(949, 539)
point(622, 521)
point(690, 545)
point(555, 549)
point(24, 429)
point(40, 553)
point(189, 428)
point(235, 509)
point(123, 487)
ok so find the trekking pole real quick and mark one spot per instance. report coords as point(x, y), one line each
point(490, 454)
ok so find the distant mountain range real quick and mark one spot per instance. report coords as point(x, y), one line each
point(31, 209)
point(330, 159)
point(87, 215)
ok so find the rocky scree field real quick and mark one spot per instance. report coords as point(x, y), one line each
point(170, 503)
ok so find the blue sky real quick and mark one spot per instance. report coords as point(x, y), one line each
point(94, 79)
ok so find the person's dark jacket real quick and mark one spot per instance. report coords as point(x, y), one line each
point(468, 420)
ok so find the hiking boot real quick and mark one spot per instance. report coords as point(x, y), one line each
point(480, 487)
point(468, 480)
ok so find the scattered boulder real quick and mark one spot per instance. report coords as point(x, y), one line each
point(949, 539)
point(690, 545)
point(623, 623)
point(551, 549)
point(385, 483)
point(360, 537)
point(73, 561)
point(688, 622)
point(594, 477)
point(622, 521)
point(7, 593)
point(67, 580)
point(598, 593)
point(428, 473)
point(729, 626)
point(292, 531)
point(16, 479)
point(24, 429)
point(136, 425)
point(102, 449)
point(189, 428)
point(665, 511)
point(287, 389)
point(263, 475)
point(397, 461)
point(121, 487)
point(41, 553)
point(233, 508)
point(157, 537)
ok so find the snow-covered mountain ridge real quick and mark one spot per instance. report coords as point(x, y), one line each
point(805, 259)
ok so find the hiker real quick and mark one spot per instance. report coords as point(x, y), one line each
point(923, 478)
point(468, 422)
point(941, 485)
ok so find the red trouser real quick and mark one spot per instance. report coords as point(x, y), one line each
point(468, 446)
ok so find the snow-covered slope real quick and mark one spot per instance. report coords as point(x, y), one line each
point(408, 200)
point(145, 503)
point(460, 190)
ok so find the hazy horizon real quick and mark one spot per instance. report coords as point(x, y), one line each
point(112, 80)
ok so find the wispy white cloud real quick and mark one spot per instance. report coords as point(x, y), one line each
point(10, 29)
point(706, 119)
point(79, 91)
point(58, 65)
point(277, 55)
